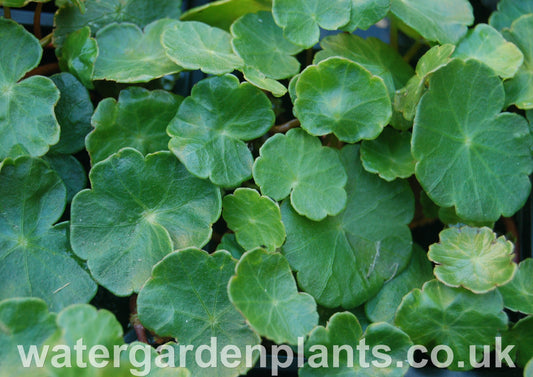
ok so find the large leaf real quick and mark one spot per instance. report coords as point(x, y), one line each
point(78, 55)
point(344, 330)
point(301, 20)
point(454, 317)
point(508, 11)
point(443, 21)
point(298, 164)
point(99, 14)
point(473, 258)
point(341, 97)
point(28, 125)
point(265, 292)
point(195, 45)
point(139, 119)
point(139, 210)
point(186, 298)
point(35, 254)
point(518, 293)
point(127, 54)
point(212, 125)
point(468, 154)
point(345, 260)
point(255, 219)
point(383, 306)
point(366, 13)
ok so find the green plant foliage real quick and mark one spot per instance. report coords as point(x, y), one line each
point(139, 119)
point(70, 171)
point(521, 337)
point(341, 97)
point(355, 252)
point(301, 20)
point(264, 291)
point(33, 199)
point(441, 315)
point(195, 45)
point(508, 11)
point(212, 125)
point(458, 124)
point(257, 78)
point(255, 219)
point(442, 21)
point(229, 243)
point(383, 306)
point(528, 370)
point(78, 55)
point(35, 130)
point(186, 298)
point(389, 155)
point(296, 164)
point(517, 294)
point(19, 3)
point(136, 213)
point(344, 329)
point(366, 13)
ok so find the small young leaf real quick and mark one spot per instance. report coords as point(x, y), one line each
point(298, 164)
point(258, 79)
point(341, 97)
point(229, 243)
point(265, 292)
point(78, 55)
point(473, 258)
point(255, 219)
point(518, 293)
point(366, 13)
point(508, 11)
point(212, 125)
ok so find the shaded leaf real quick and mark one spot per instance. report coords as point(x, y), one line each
point(366, 13)
point(508, 11)
point(71, 172)
point(518, 293)
point(78, 55)
point(229, 243)
point(521, 337)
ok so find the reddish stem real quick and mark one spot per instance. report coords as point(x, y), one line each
point(510, 227)
point(37, 21)
point(7, 12)
point(44, 70)
point(282, 128)
point(134, 319)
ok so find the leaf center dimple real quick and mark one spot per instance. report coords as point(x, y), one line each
point(150, 216)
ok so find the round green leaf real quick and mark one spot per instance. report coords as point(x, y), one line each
point(256, 78)
point(71, 172)
point(73, 112)
point(301, 20)
point(443, 21)
point(265, 292)
point(126, 54)
point(468, 154)
point(138, 119)
point(229, 243)
point(212, 125)
point(298, 164)
point(344, 330)
point(389, 155)
point(195, 45)
point(518, 293)
point(473, 258)
point(521, 338)
point(383, 306)
point(366, 13)
point(486, 44)
point(99, 14)
point(528, 370)
point(36, 256)
point(508, 11)
point(139, 210)
point(255, 219)
point(455, 317)
point(341, 97)
point(261, 44)
point(78, 55)
point(28, 125)
point(187, 298)
point(345, 260)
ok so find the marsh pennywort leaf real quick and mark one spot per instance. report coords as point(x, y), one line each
point(449, 217)
point(223, 13)
point(455, 317)
point(301, 20)
point(518, 293)
point(297, 164)
point(212, 125)
point(73, 112)
point(99, 14)
point(139, 119)
point(78, 55)
point(468, 154)
point(472, 258)
point(508, 11)
point(366, 13)
point(389, 155)
point(264, 291)
point(28, 125)
point(19, 3)
point(229, 243)
point(129, 54)
point(187, 298)
point(344, 260)
point(138, 210)
point(195, 45)
point(261, 44)
point(521, 337)
point(257, 78)
point(343, 329)
point(442, 21)
point(383, 306)
point(33, 199)
point(341, 97)
point(71, 172)
point(255, 219)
